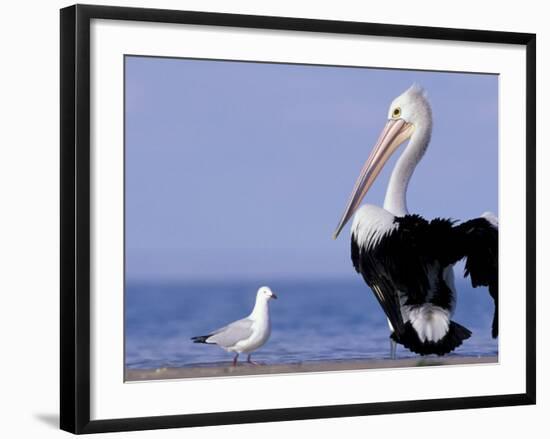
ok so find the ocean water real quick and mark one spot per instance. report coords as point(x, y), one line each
point(311, 321)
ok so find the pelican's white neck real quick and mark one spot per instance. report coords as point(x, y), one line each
point(396, 194)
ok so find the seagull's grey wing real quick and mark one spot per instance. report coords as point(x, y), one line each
point(231, 334)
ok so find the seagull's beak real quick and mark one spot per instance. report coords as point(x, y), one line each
point(273, 295)
point(394, 134)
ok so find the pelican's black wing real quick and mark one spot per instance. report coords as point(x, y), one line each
point(478, 242)
point(410, 258)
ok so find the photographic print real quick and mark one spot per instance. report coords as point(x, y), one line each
point(251, 204)
point(364, 200)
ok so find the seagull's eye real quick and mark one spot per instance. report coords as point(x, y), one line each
point(396, 112)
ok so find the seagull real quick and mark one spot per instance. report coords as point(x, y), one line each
point(245, 335)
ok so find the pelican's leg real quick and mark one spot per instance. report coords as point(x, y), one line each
point(393, 348)
point(249, 360)
point(393, 344)
point(235, 359)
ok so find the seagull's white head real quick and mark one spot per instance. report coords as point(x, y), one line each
point(409, 117)
point(265, 293)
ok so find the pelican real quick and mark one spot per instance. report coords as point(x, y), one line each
point(406, 260)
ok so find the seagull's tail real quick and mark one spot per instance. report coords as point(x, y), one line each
point(201, 338)
point(452, 339)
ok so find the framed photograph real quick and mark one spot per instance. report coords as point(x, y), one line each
point(377, 180)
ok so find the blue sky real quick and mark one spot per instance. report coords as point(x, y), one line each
point(242, 170)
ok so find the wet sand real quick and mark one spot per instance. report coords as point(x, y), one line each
point(228, 370)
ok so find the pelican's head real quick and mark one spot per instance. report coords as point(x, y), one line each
point(265, 293)
point(409, 116)
point(413, 108)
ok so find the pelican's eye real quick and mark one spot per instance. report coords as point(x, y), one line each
point(396, 112)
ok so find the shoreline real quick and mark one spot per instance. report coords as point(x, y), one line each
point(245, 369)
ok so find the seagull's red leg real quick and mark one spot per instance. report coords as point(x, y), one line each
point(235, 360)
point(249, 360)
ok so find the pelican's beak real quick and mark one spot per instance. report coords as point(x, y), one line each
point(394, 134)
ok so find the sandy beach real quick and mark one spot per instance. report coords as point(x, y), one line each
point(226, 369)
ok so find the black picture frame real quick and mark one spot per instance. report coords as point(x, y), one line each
point(75, 217)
